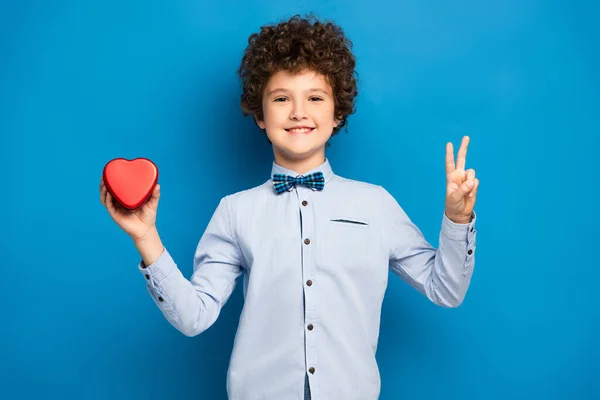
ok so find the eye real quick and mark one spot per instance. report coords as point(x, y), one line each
point(280, 99)
point(315, 98)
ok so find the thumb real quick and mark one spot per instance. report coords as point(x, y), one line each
point(110, 205)
point(153, 201)
point(461, 191)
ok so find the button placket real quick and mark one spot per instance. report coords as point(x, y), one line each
point(308, 254)
point(471, 240)
point(470, 250)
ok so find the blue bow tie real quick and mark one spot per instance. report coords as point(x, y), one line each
point(283, 182)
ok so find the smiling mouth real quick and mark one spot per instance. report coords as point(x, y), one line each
point(300, 130)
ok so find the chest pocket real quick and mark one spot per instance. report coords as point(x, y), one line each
point(348, 244)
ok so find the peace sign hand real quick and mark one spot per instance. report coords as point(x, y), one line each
point(461, 185)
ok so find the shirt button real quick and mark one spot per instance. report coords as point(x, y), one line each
point(311, 370)
point(160, 298)
point(470, 252)
point(306, 241)
point(305, 203)
point(147, 276)
point(310, 327)
point(309, 282)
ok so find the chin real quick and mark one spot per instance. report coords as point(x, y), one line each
point(295, 151)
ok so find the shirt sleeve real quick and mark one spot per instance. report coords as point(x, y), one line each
point(442, 274)
point(192, 306)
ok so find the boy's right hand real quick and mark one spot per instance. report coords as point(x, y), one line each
point(137, 223)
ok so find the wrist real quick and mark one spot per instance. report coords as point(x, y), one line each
point(460, 219)
point(146, 237)
point(149, 246)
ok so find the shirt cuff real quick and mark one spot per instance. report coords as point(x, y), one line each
point(159, 269)
point(456, 231)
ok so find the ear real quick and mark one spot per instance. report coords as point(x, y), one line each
point(261, 124)
point(336, 122)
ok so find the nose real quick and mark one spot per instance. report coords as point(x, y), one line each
point(297, 112)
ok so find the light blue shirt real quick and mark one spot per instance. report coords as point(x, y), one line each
point(315, 267)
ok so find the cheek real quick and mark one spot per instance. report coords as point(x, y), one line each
point(274, 116)
point(325, 116)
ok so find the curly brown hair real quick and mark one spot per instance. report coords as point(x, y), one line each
point(296, 45)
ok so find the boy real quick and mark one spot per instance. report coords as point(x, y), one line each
point(315, 247)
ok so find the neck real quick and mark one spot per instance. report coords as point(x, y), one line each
point(302, 165)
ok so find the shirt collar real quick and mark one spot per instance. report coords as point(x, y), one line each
point(325, 168)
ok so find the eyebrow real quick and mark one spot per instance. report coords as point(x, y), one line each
point(282, 90)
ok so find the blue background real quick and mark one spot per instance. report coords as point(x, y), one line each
point(84, 82)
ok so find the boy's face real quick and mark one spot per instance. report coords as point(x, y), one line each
point(298, 118)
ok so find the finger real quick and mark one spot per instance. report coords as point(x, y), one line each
point(155, 192)
point(462, 191)
point(470, 174)
point(449, 158)
point(153, 202)
point(461, 160)
point(473, 192)
point(109, 203)
point(102, 194)
point(451, 188)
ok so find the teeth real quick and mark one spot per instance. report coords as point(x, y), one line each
point(301, 130)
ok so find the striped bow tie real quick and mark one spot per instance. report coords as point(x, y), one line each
point(283, 182)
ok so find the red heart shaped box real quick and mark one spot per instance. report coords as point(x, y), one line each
point(130, 182)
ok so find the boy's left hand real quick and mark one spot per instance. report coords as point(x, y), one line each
point(461, 185)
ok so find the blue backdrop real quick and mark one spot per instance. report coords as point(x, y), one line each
point(84, 82)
